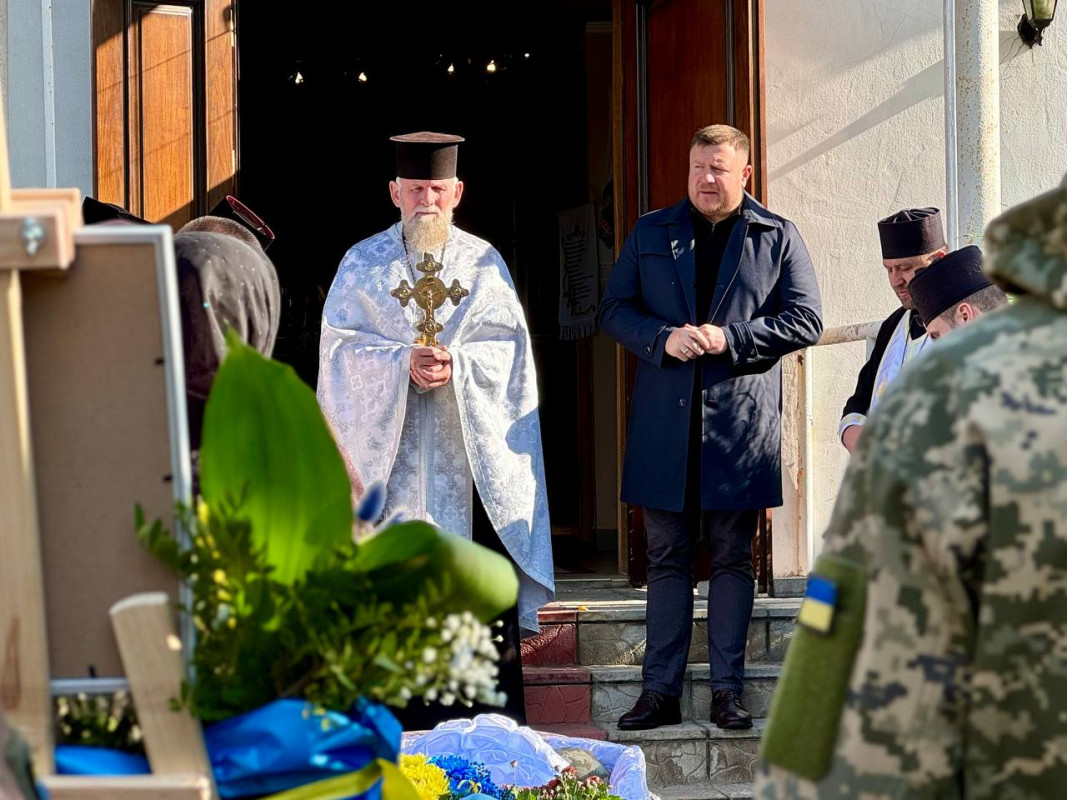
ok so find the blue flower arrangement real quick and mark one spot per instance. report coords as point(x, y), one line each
point(466, 778)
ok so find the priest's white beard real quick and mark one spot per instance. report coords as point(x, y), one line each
point(427, 234)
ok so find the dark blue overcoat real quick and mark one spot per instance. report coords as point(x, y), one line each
point(767, 302)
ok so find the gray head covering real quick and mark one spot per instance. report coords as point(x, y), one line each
point(222, 281)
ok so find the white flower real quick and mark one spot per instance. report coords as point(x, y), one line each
point(431, 695)
point(448, 699)
point(429, 655)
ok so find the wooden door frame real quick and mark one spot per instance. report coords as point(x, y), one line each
point(630, 167)
point(110, 106)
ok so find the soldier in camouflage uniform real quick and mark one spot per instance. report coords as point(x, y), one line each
point(934, 660)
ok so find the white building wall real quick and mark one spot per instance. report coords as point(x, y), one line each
point(46, 69)
point(855, 131)
point(3, 52)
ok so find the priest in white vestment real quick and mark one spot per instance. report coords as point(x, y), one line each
point(911, 240)
point(454, 429)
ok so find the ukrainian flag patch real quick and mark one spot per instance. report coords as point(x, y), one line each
point(817, 610)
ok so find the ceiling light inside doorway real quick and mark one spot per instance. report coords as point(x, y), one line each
point(491, 66)
point(363, 77)
point(525, 55)
point(298, 78)
point(451, 69)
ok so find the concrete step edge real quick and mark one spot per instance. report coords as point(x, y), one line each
point(634, 610)
point(628, 673)
point(690, 729)
point(706, 791)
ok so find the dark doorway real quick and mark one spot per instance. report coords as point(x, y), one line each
point(321, 90)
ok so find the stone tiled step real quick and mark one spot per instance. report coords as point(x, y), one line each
point(616, 689)
point(558, 695)
point(726, 791)
point(579, 695)
point(695, 757)
point(608, 628)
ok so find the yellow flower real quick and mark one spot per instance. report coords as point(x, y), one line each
point(430, 781)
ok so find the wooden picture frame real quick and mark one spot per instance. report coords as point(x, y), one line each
point(106, 388)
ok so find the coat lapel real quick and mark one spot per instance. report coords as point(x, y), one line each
point(739, 250)
point(680, 234)
point(731, 263)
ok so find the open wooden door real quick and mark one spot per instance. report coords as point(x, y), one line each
point(165, 105)
point(679, 65)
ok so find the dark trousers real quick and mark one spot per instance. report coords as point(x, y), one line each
point(672, 537)
point(418, 716)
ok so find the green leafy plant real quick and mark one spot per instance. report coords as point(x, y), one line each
point(265, 441)
point(285, 602)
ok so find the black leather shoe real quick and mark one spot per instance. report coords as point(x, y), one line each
point(651, 710)
point(728, 712)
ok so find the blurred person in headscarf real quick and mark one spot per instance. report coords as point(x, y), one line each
point(222, 282)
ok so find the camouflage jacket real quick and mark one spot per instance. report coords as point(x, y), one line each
point(953, 515)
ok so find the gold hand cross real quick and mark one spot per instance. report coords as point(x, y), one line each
point(429, 294)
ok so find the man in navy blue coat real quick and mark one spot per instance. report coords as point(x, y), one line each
point(709, 294)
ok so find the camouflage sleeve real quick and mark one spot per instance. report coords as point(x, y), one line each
point(910, 516)
point(955, 504)
point(1016, 731)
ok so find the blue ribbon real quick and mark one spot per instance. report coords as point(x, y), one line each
point(279, 746)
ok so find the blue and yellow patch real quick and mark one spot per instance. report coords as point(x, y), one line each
point(817, 610)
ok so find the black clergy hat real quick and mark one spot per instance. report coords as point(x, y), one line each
point(947, 282)
point(426, 156)
point(911, 232)
point(94, 211)
point(230, 207)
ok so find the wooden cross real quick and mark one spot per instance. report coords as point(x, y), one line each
point(429, 294)
point(36, 233)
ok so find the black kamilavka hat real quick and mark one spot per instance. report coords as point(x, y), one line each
point(911, 232)
point(426, 156)
point(947, 282)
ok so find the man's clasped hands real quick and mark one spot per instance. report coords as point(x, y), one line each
point(690, 341)
point(431, 367)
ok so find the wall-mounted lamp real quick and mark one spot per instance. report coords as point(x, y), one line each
point(1037, 15)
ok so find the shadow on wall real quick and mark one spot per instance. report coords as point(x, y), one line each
point(922, 86)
